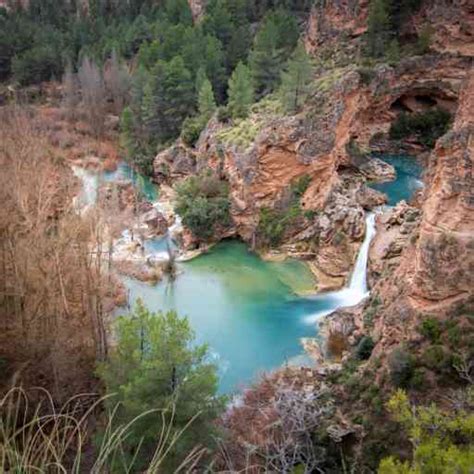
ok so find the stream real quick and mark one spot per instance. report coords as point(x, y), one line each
point(250, 312)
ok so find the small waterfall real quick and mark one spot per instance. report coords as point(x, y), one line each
point(358, 283)
point(357, 289)
point(87, 196)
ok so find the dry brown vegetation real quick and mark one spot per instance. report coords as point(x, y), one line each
point(52, 288)
point(288, 419)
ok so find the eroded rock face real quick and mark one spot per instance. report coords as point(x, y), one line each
point(395, 230)
point(344, 115)
point(444, 265)
point(174, 163)
point(422, 261)
point(155, 221)
point(451, 24)
point(348, 115)
point(285, 149)
point(330, 20)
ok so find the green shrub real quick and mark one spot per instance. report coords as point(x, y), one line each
point(454, 336)
point(442, 439)
point(402, 366)
point(431, 329)
point(369, 315)
point(299, 187)
point(393, 52)
point(274, 222)
point(223, 114)
point(38, 64)
point(418, 379)
point(364, 348)
point(271, 226)
point(367, 75)
point(203, 204)
point(376, 301)
point(436, 358)
point(424, 41)
point(191, 130)
point(426, 126)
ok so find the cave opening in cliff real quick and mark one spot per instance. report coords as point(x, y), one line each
point(422, 101)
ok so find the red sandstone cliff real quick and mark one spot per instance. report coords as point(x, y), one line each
point(350, 110)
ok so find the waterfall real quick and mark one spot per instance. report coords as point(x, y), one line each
point(357, 289)
point(89, 190)
point(358, 283)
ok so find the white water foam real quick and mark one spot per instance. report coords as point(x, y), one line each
point(87, 196)
point(357, 289)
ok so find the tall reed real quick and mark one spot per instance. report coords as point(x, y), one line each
point(37, 437)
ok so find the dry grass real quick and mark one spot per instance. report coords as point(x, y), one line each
point(39, 438)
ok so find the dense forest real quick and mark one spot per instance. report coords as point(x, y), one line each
point(93, 83)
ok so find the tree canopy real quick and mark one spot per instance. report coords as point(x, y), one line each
point(157, 368)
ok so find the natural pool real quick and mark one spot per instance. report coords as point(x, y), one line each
point(250, 312)
point(408, 181)
point(246, 309)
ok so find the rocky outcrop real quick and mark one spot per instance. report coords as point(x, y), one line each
point(396, 228)
point(347, 116)
point(444, 263)
point(261, 173)
point(155, 221)
point(422, 261)
point(331, 20)
point(174, 163)
point(377, 170)
point(451, 25)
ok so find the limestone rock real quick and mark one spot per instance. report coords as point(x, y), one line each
point(174, 163)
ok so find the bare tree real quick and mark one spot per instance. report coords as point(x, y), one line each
point(464, 366)
point(93, 93)
point(117, 82)
point(290, 442)
point(70, 93)
point(53, 282)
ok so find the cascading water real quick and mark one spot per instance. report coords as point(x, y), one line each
point(357, 289)
point(358, 283)
point(89, 190)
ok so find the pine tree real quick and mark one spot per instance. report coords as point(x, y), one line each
point(241, 93)
point(206, 101)
point(127, 132)
point(200, 78)
point(156, 367)
point(296, 80)
point(378, 29)
point(168, 99)
point(266, 59)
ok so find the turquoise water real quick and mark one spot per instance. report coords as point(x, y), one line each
point(250, 312)
point(147, 189)
point(92, 179)
point(246, 309)
point(409, 172)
